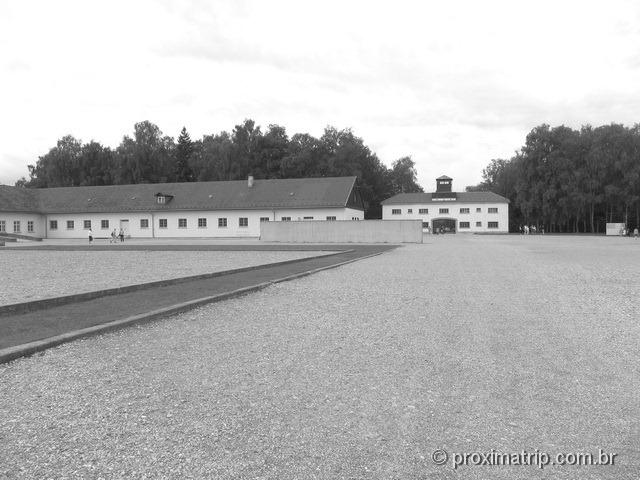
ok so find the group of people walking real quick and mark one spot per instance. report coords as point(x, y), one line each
point(115, 236)
point(531, 230)
point(625, 233)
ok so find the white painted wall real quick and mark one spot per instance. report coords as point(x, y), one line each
point(344, 231)
point(192, 230)
point(502, 217)
point(23, 218)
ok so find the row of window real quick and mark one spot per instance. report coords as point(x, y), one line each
point(162, 223)
point(17, 226)
point(71, 224)
point(425, 211)
point(467, 224)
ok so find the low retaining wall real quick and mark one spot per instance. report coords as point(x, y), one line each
point(348, 231)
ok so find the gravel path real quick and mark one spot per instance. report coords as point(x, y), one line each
point(466, 343)
point(33, 275)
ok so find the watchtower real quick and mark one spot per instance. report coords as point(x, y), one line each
point(443, 189)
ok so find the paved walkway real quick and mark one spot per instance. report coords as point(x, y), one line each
point(18, 329)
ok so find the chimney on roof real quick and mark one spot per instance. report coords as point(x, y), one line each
point(250, 181)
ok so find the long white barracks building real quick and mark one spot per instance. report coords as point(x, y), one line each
point(194, 209)
point(445, 211)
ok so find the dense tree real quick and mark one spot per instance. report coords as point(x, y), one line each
point(60, 166)
point(571, 180)
point(404, 177)
point(211, 160)
point(150, 157)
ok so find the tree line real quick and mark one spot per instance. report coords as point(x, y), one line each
point(571, 180)
point(149, 156)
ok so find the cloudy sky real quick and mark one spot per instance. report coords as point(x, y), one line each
point(453, 84)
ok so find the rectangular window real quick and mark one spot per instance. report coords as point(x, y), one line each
point(410, 210)
point(478, 210)
point(30, 226)
point(423, 211)
point(163, 223)
point(87, 224)
point(70, 224)
point(307, 218)
point(222, 223)
point(492, 225)
point(478, 224)
point(16, 226)
point(331, 219)
point(53, 224)
point(182, 223)
point(160, 199)
point(264, 219)
point(243, 222)
point(3, 226)
point(444, 210)
point(493, 210)
point(104, 224)
point(144, 223)
point(355, 218)
point(396, 211)
point(202, 223)
point(464, 210)
point(464, 225)
point(285, 219)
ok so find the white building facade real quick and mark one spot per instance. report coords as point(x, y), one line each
point(445, 211)
point(185, 210)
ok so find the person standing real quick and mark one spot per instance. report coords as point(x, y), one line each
point(635, 233)
point(121, 235)
point(90, 237)
point(113, 236)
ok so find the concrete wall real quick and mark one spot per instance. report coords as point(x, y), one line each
point(615, 228)
point(478, 216)
point(367, 231)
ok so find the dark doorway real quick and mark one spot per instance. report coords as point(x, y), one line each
point(444, 225)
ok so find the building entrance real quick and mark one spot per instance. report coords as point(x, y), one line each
point(444, 225)
point(124, 226)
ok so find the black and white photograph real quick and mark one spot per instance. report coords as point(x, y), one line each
point(304, 240)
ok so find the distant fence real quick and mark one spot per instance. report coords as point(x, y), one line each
point(348, 231)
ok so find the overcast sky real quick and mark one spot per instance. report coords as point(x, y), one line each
point(452, 84)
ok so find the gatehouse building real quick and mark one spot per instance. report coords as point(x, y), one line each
point(446, 211)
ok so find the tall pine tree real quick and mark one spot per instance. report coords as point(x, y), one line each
point(184, 151)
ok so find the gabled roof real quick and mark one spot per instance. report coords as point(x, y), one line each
point(444, 177)
point(462, 197)
point(229, 195)
point(16, 199)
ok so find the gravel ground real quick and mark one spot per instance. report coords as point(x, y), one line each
point(465, 343)
point(33, 275)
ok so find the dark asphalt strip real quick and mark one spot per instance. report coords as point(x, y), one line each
point(27, 333)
